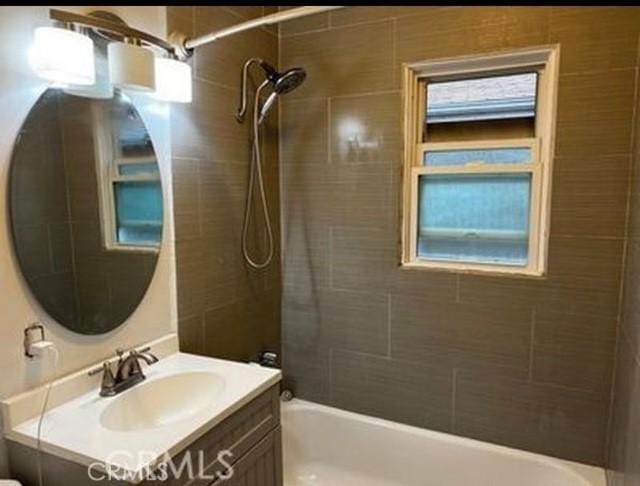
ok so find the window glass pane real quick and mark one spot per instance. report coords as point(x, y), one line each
point(474, 218)
point(129, 133)
point(139, 213)
point(488, 98)
point(135, 148)
point(511, 155)
point(137, 169)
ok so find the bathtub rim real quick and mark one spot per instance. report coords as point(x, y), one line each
point(591, 475)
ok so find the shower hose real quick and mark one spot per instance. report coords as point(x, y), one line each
point(255, 176)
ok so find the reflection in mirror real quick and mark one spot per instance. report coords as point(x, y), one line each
point(86, 209)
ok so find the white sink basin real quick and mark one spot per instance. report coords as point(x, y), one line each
point(163, 401)
point(183, 397)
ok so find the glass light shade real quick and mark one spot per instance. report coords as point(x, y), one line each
point(131, 67)
point(62, 56)
point(102, 88)
point(173, 80)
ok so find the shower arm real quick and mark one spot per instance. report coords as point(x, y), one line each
point(242, 109)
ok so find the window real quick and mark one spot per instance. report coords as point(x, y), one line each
point(130, 190)
point(478, 153)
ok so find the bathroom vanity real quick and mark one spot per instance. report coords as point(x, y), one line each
point(194, 420)
point(86, 189)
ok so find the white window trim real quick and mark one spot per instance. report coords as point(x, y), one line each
point(545, 61)
point(107, 171)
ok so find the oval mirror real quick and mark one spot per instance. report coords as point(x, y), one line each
point(86, 209)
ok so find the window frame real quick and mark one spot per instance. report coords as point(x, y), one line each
point(108, 175)
point(544, 60)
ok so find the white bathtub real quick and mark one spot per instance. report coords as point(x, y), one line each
point(324, 446)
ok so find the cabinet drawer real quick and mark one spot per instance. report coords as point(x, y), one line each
point(261, 466)
point(237, 434)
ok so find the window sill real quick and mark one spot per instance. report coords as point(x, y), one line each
point(474, 269)
point(131, 249)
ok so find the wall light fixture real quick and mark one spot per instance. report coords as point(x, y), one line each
point(173, 80)
point(66, 57)
point(62, 56)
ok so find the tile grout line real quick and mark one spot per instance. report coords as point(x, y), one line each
point(330, 257)
point(329, 155)
point(620, 333)
point(596, 71)
point(454, 386)
point(394, 47)
point(203, 328)
point(389, 325)
point(203, 331)
point(208, 81)
point(306, 32)
point(199, 201)
point(359, 94)
point(50, 248)
point(346, 26)
point(532, 334)
point(331, 375)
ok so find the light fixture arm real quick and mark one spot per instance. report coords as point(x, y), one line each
point(121, 29)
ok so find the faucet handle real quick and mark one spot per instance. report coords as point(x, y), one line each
point(122, 351)
point(98, 369)
point(107, 387)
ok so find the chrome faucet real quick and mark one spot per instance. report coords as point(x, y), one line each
point(128, 371)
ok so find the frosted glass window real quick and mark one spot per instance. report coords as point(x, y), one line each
point(478, 135)
point(474, 218)
point(139, 213)
point(137, 169)
point(511, 155)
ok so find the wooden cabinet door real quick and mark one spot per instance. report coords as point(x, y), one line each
point(261, 466)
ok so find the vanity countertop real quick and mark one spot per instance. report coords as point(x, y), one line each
point(76, 430)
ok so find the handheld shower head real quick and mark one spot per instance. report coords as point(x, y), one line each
point(266, 107)
point(284, 82)
point(281, 83)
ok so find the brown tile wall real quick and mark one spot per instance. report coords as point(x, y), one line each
point(224, 309)
point(521, 362)
point(623, 460)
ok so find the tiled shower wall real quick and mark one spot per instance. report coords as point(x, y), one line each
point(623, 465)
point(517, 361)
point(224, 309)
